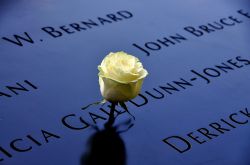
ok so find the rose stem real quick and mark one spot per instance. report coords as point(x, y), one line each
point(111, 119)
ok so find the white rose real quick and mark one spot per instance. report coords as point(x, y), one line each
point(120, 77)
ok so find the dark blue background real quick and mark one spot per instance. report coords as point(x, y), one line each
point(65, 70)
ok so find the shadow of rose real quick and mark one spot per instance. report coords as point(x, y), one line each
point(106, 147)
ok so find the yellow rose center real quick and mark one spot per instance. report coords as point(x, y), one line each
point(122, 67)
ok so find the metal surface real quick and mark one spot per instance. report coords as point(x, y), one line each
point(64, 71)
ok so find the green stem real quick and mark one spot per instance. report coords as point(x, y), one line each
point(111, 119)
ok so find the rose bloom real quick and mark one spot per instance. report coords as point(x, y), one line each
point(120, 77)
